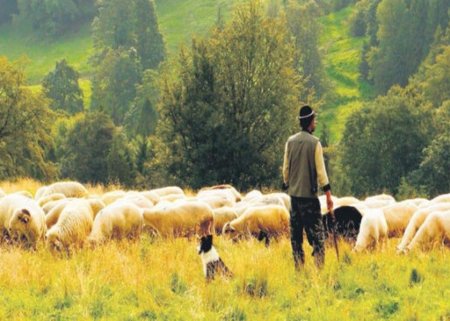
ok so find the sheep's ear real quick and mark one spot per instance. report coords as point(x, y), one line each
point(24, 216)
point(228, 228)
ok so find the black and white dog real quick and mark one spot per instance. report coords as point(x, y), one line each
point(212, 263)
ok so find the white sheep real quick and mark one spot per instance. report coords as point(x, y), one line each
point(444, 198)
point(168, 190)
point(262, 222)
point(73, 225)
point(122, 219)
point(435, 228)
point(49, 198)
point(69, 189)
point(22, 220)
point(417, 220)
point(345, 201)
point(179, 219)
point(398, 216)
point(373, 230)
point(151, 196)
point(379, 201)
point(112, 196)
point(222, 216)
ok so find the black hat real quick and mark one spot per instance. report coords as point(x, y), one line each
point(306, 115)
point(305, 112)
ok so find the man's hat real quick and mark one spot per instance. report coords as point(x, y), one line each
point(305, 112)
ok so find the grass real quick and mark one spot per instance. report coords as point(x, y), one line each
point(162, 280)
point(156, 279)
point(341, 54)
point(179, 21)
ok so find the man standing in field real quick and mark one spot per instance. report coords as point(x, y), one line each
point(303, 168)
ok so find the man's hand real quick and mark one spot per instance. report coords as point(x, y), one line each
point(330, 204)
point(284, 186)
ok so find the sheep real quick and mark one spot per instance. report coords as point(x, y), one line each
point(346, 201)
point(69, 189)
point(437, 224)
point(2, 193)
point(73, 225)
point(263, 200)
point(137, 199)
point(23, 193)
point(346, 222)
point(445, 198)
point(179, 219)
point(379, 201)
point(227, 187)
point(262, 222)
point(122, 219)
point(398, 216)
point(151, 196)
point(110, 197)
point(49, 198)
point(323, 203)
point(169, 190)
point(255, 194)
point(222, 216)
point(21, 220)
point(416, 221)
point(373, 229)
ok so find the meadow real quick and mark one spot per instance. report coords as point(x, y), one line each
point(160, 279)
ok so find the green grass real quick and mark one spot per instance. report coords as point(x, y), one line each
point(179, 21)
point(341, 60)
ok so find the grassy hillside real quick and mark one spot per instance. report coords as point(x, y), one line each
point(341, 59)
point(179, 20)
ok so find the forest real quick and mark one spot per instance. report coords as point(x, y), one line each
point(148, 106)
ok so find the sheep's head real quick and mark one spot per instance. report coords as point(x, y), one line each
point(53, 242)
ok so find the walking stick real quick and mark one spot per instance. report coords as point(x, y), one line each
point(334, 235)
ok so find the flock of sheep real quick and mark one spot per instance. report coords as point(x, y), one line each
point(66, 217)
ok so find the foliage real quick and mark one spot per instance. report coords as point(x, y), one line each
point(25, 122)
point(406, 30)
point(142, 117)
point(62, 88)
point(114, 83)
point(9, 8)
point(86, 148)
point(358, 24)
point(226, 117)
point(127, 25)
point(55, 18)
point(121, 161)
point(382, 142)
point(302, 21)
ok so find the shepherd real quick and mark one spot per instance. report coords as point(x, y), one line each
point(303, 170)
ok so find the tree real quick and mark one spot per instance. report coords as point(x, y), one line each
point(120, 161)
point(61, 86)
point(25, 122)
point(9, 8)
point(114, 83)
point(229, 104)
point(87, 147)
point(406, 29)
point(54, 18)
point(302, 21)
point(150, 43)
point(383, 141)
point(142, 117)
point(358, 24)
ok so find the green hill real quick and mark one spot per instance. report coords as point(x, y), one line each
point(181, 19)
point(178, 20)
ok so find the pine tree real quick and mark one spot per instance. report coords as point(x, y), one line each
point(61, 86)
point(150, 44)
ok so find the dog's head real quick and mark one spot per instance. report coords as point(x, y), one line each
point(206, 243)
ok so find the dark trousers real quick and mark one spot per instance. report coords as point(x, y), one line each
point(305, 215)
